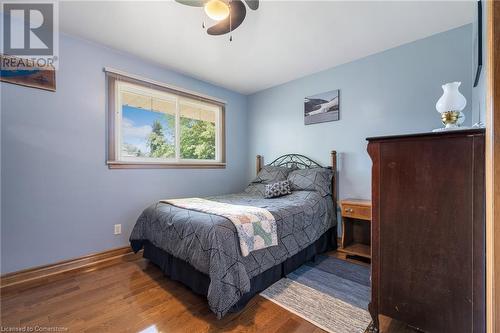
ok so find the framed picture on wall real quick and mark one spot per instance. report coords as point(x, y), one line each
point(478, 42)
point(35, 78)
point(322, 107)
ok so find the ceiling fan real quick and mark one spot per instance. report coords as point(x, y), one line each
point(228, 14)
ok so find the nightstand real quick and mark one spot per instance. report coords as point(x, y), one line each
point(356, 224)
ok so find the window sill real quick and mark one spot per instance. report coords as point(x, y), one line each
point(146, 165)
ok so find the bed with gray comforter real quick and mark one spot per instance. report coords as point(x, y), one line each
point(210, 243)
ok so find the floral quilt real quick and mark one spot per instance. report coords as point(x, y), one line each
point(256, 227)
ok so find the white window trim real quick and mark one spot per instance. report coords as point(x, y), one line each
point(136, 162)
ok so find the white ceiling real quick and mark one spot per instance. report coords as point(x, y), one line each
point(281, 41)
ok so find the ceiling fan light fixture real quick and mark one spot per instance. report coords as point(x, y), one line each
point(217, 10)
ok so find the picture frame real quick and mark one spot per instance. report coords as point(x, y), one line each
point(322, 107)
point(478, 43)
point(44, 79)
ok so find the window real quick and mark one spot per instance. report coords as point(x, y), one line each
point(155, 127)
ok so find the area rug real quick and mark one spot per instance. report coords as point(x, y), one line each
point(331, 293)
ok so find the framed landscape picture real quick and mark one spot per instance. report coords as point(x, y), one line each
point(322, 107)
point(478, 43)
point(34, 78)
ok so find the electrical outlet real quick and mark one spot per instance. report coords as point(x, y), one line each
point(118, 229)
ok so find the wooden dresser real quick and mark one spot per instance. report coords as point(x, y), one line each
point(428, 225)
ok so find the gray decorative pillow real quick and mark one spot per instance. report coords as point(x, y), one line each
point(270, 174)
point(315, 179)
point(277, 189)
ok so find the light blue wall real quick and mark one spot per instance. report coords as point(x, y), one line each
point(59, 199)
point(391, 92)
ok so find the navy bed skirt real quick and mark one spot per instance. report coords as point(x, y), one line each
point(179, 270)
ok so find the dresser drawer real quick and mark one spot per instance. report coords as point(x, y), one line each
point(357, 212)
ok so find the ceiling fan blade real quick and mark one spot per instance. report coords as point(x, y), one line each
point(252, 4)
point(192, 3)
point(238, 13)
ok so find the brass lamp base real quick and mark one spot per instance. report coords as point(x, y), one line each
point(451, 121)
point(450, 118)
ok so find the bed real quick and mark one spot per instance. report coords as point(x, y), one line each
point(202, 251)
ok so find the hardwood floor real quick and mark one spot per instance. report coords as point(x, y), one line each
point(134, 296)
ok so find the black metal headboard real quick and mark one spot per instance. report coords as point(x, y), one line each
point(291, 160)
point(303, 162)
